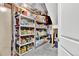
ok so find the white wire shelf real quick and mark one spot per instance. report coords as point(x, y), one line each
point(26, 34)
point(41, 28)
point(25, 43)
point(27, 26)
point(40, 22)
point(27, 17)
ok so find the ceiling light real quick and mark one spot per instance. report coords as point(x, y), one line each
point(2, 8)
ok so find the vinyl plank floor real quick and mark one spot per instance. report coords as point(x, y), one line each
point(43, 50)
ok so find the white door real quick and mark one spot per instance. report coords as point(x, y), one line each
point(68, 14)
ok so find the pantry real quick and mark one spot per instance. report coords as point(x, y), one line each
point(30, 30)
point(30, 27)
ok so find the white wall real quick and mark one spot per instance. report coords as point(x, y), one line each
point(53, 12)
point(69, 30)
point(5, 33)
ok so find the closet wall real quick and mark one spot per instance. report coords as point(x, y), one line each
point(53, 13)
point(5, 32)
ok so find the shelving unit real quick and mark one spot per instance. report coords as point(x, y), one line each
point(41, 30)
point(24, 28)
point(29, 32)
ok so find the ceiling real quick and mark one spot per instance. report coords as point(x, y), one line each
point(53, 12)
point(39, 7)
